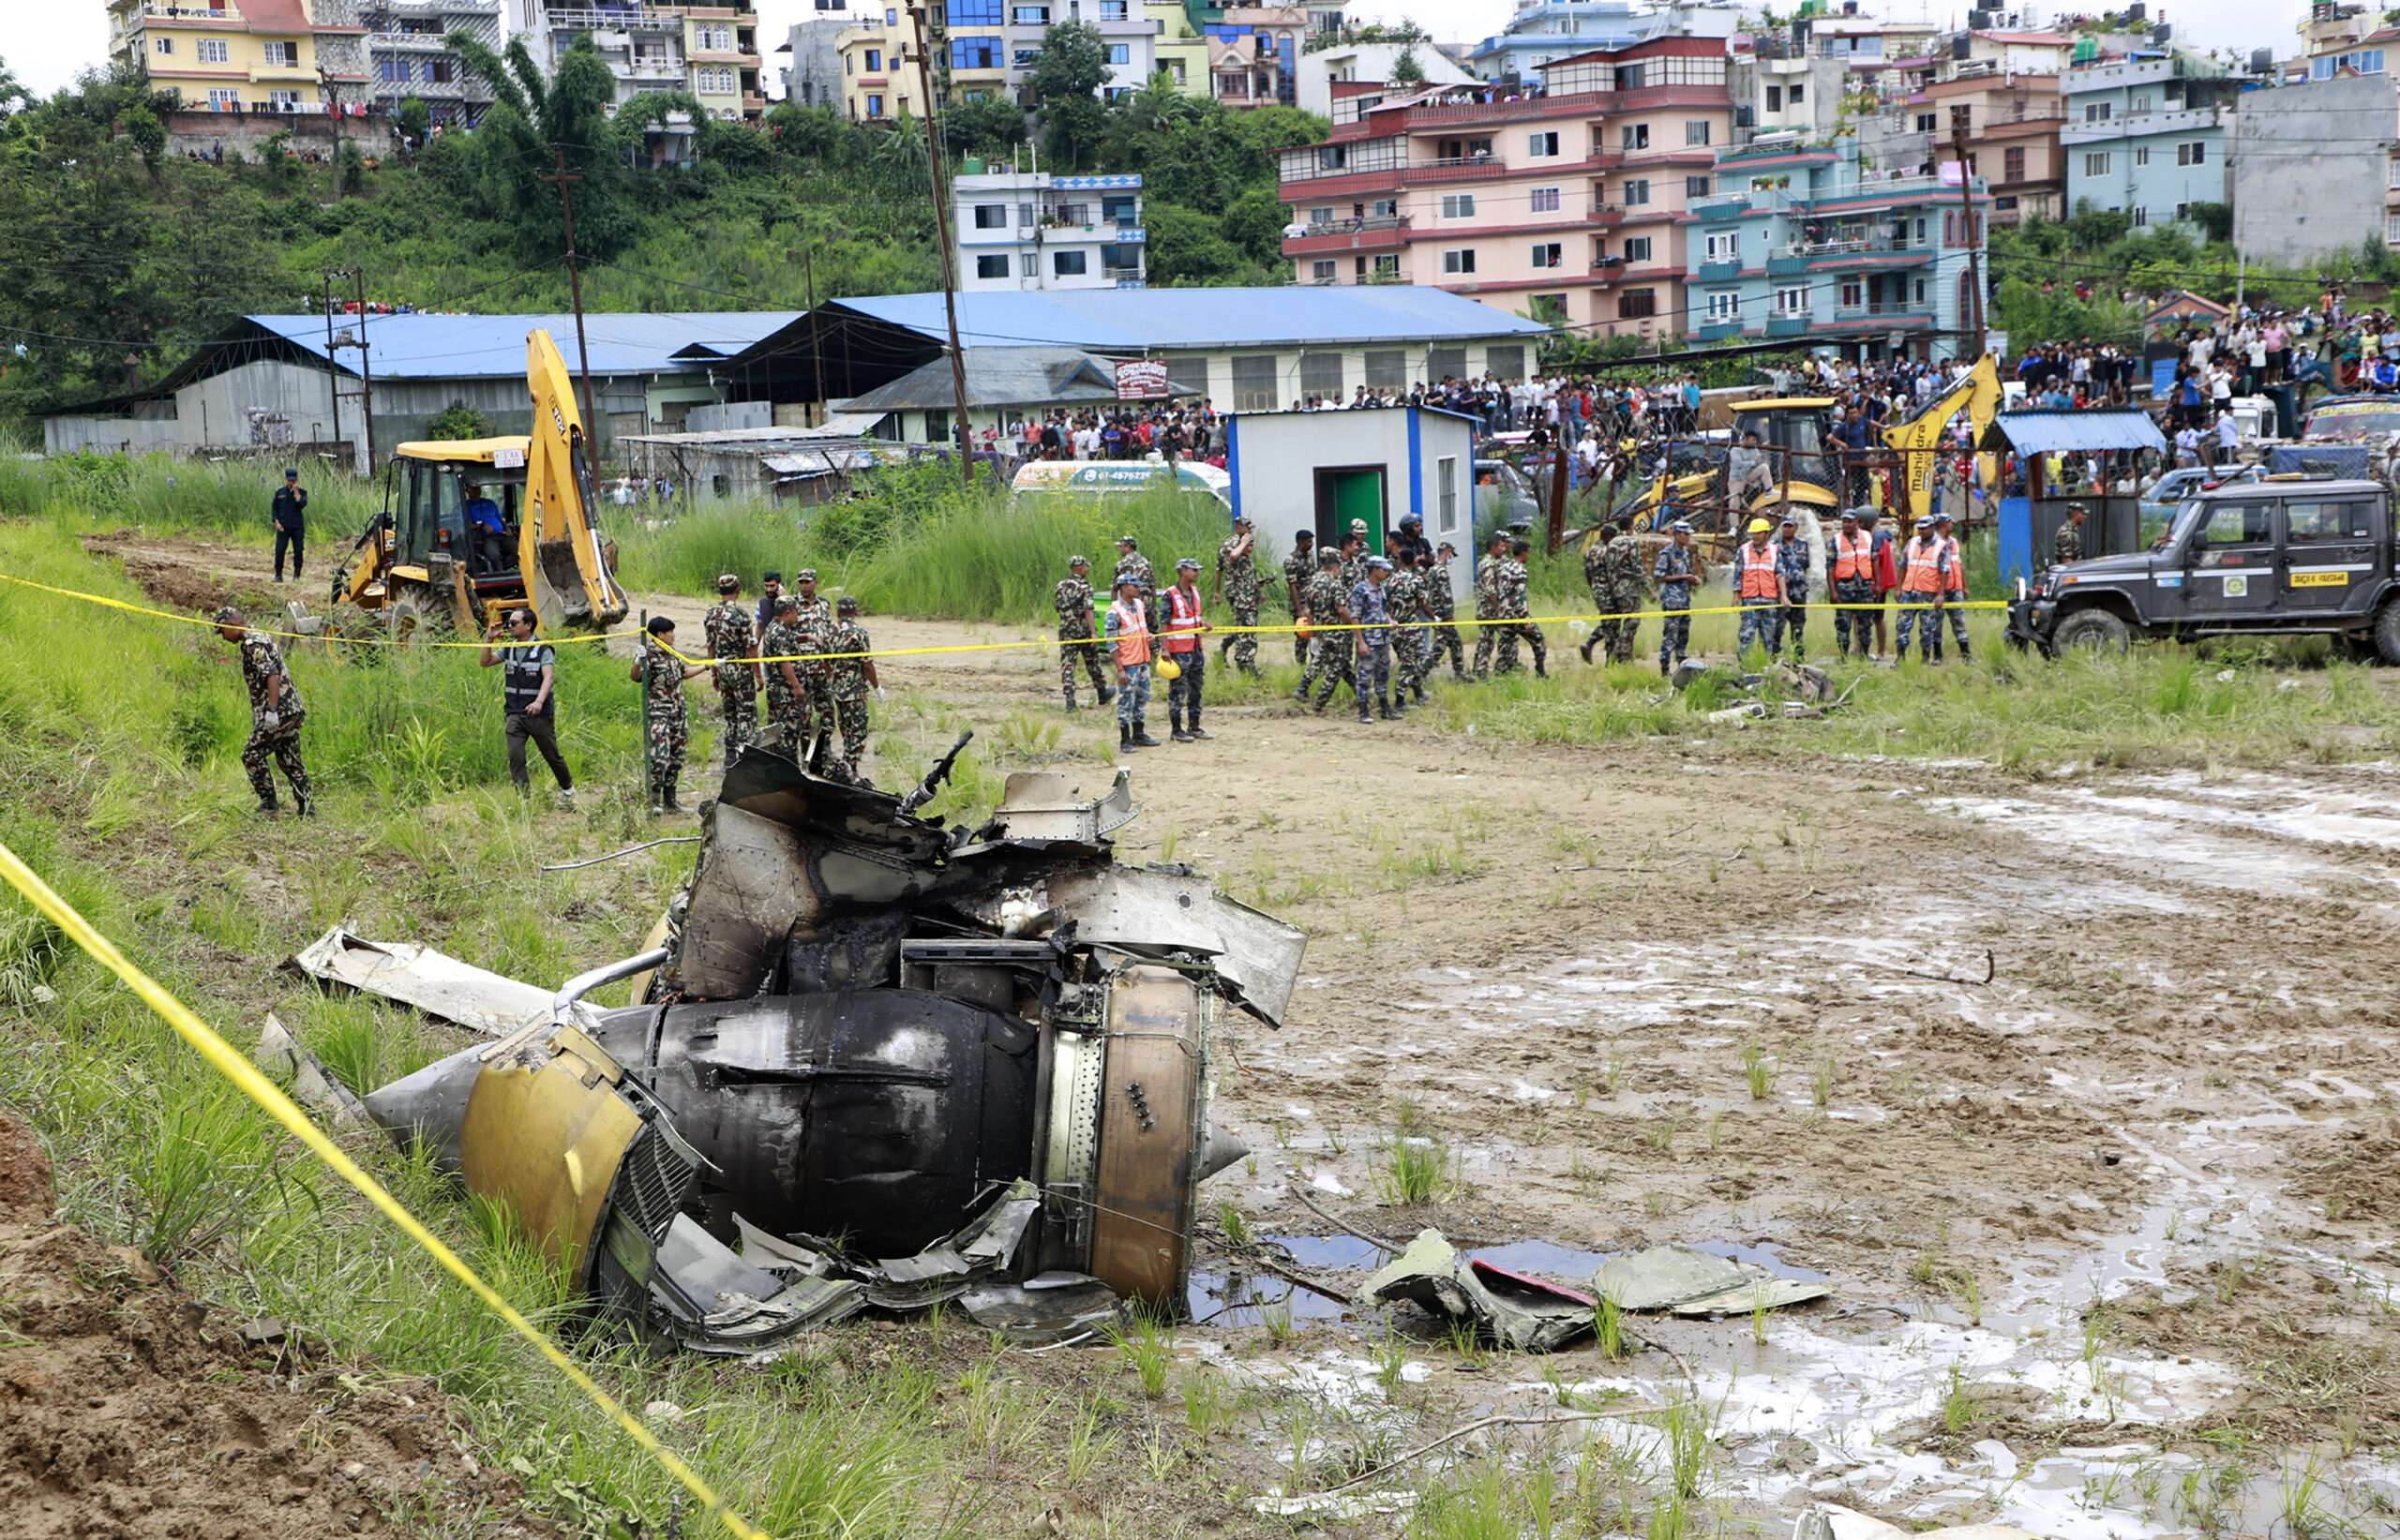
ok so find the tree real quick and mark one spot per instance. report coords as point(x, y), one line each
point(2216, 220)
point(1066, 79)
point(1405, 70)
point(535, 121)
point(458, 421)
point(992, 125)
point(13, 93)
point(1185, 247)
point(414, 120)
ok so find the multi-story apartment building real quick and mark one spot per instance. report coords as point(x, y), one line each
point(408, 53)
point(2147, 134)
point(814, 76)
point(1797, 243)
point(244, 55)
point(2012, 124)
point(1254, 55)
point(1179, 46)
point(1027, 229)
point(1573, 202)
point(987, 47)
point(876, 84)
point(709, 50)
point(1346, 63)
point(1543, 31)
point(2313, 169)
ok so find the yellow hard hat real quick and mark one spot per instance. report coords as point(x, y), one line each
point(1168, 669)
point(1760, 525)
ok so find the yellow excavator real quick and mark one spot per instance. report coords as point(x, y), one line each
point(470, 527)
point(1919, 440)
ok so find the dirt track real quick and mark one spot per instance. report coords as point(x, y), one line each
point(2031, 1049)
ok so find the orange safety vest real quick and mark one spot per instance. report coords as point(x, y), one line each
point(1958, 567)
point(1133, 632)
point(1182, 614)
point(1923, 574)
point(1759, 570)
point(1856, 561)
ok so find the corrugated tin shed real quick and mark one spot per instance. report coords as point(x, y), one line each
point(1115, 319)
point(2073, 432)
point(424, 347)
point(995, 376)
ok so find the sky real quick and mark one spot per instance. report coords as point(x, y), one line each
point(45, 48)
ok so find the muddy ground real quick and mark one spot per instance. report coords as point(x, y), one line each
point(2081, 1091)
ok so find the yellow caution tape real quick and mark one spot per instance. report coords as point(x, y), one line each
point(246, 1076)
point(1000, 647)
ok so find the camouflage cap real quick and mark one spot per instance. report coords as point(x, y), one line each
point(725, 580)
point(1329, 558)
point(847, 605)
point(228, 615)
point(786, 600)
point(1079, 560)
point(807, 575)
point(1189, 562)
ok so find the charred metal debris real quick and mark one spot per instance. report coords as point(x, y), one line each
point(879, 1063)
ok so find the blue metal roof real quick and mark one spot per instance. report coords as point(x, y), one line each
point(429, 347)
point(2055, 432)
point(1111, 318)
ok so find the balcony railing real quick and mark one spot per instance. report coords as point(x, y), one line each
point(1864, 246)
point(1358, 227)
point(1604, 214)
point(1124, 278)
point(185, 12)
point(1880, 307)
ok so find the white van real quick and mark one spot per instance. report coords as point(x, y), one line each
point(1111, 478)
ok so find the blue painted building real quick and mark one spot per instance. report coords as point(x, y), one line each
point(1795, 243)
point(1543, 31)
point(2146, 134)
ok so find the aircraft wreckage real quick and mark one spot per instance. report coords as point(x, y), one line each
point(878, 1062)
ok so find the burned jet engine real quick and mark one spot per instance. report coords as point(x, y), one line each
point(890, 1062)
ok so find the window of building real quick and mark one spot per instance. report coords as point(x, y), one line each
point(1724, 245)
point(1542, 145)
point(975, 13)
point(1851, 294)
point(166, 45)
point(875, 104)
point(718, 80)
point(991, 217)
point(2012, 165)
point(1459, 261)
point(2192, 153)
point(1725, 305)
point(1333, 158)
point(1069, 264)
point(1458, 205)
point(285, 55)
point(1504, 363)
point(2366, 61)
point(1446, 493)
point(283, 101)
point(974, 54)
point(1387, 266)
point(1321, 374)
point(1792, 302)
point(441, 71)
point(1636, 193)
point(1324, 271)
point(1549, 307)
point(1775, 98)
point(1799, 93)
point(1388, 208)
point(892, 18)
point(2095, 163)
point(1112, 11)
point(221, 99)
point(1925, 123)
point(2141, 104)
point(1695, 186)
point(1255, 384)
point(1696, 132)
point(1635, 304)
point(215, 51)
point(391, 68)
point(1387, 368)
point(1321, 214)
point(1637, 250)
point(1444, 364)
point(2096, 111)
point(1630, 76)
point(1634, 136)
point(1030, 15)
point(1962, 114)
point(1542, 200)
point(1026, 58)
point(991, 266)
point(1549, 254)
point(2392, 230)
point(1920, 294)
point(713, 39)
point(1120, 54)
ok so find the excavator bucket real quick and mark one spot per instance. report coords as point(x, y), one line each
point(566, 568)
point(1919, 439)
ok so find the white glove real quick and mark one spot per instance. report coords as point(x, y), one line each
point(271, 720)
point(879, 695)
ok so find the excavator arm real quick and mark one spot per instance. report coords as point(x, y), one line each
point(1919, 439)
point(568, 570)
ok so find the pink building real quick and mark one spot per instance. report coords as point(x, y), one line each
point(1572, 204)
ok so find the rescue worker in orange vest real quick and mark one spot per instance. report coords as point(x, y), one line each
point(1129, 637)
point(1757, 589)
point(1851, 563)
point(1182, 623)
point(1957, 590)
point(1925, 586)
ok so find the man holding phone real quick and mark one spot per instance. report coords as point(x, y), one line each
point(527, 695)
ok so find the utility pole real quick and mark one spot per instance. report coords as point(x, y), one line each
point(366, 374)
point(333, 109)
point(353, 337)
point(574, 287)
point(332, 364)
point(815, 334)
point(949, 252)
point(1974, 321)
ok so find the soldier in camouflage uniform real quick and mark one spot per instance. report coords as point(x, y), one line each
point(787, 687)
point(853, 676)
point(1329, 649)
point(1516, 605)
point(1620, 593)
point(1443, 606)
point(1596, 574)
point(275, 714)
point(732, 642)
point(1131, 563)
point(814, 622)
point(1078, 635)
point(1237, 583)
point(1404, 593)
point(1487, 602)
point(2067, 545)
point(1300, 570)
point(661, 675)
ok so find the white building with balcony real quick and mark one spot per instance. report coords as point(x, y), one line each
point(1035, 230)
point(650, 45)
point(407, 54)
point(2147, 136)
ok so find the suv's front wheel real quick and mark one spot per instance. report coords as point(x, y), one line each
point(2387, 632)
point(2090, 631)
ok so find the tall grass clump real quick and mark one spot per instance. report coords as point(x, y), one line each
point(91, 493)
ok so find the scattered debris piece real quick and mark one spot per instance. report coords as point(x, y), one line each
point(434, 982)
point(1686, 1280)
point(279, 1053)
point(1519, 1312)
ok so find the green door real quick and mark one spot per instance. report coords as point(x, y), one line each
point(1348, 492)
